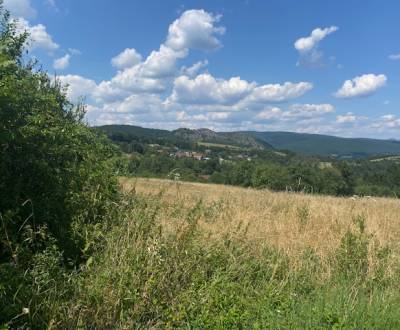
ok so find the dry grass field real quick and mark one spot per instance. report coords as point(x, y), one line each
point(292, 222)
point(180, 255)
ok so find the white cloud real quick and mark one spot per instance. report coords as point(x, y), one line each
point(394, 57)
point(309, 43)
point(157, 92)
point(162, 63)
point(235, 93)
point(20, 8)
point(195, 29)
point(131, 81)
point(390, 121)
point(74, 51)
point(279, 92)
point(194, 69)
point(205, 89)
point(39, 37)
point(269, 113)
point(77, 86)
point(127, 58)
point(295, 112)
point(136, 104)
point(363, 85)
point(310, 110)
point(308, 46)
point(62, 62)
point(349, 117)
point(208, 117)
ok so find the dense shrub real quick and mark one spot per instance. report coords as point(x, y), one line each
point(57, 180)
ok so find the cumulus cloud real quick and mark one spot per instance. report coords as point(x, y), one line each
point(234, 94)
point(195, 29)
point(20, 8)
point(279, 92)
point(77, 86)
point(154, 91)
point(364, 85)
point(194, 69)
point(136, 104)
point(308, 46)
point(130, 81)
point(205, 89)
point(39, 37)
point(309, 43)
point(162, 63)
point(62, 62)
point(127, 58)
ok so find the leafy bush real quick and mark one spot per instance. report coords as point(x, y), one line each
point(57, 178)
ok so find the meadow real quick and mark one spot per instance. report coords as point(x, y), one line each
point(201, 256)
point(290, 222)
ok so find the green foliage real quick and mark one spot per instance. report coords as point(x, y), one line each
point(351, 259)
point(57, 182)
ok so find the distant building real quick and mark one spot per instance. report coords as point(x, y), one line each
point(197, 156)
point(188, 154)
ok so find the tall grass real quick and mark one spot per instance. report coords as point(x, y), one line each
point(160, 266)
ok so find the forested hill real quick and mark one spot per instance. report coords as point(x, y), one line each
point(206, 136)
point(306, 144)
point(325, 145)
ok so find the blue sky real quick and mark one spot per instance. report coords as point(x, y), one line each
point(311, 66)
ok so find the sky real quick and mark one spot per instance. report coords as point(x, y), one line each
point(328, 67)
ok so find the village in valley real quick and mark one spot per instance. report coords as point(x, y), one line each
point(203, 155)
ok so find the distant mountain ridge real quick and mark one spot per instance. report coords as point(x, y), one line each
point(239, 139)
point(301, 143)
point(326, 145)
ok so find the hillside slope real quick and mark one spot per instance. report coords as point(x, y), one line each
point(325, 145)
point(238, 139)
point(301, 143)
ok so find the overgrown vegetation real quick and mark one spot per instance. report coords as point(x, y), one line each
point(76, 252)
point(57, 180)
